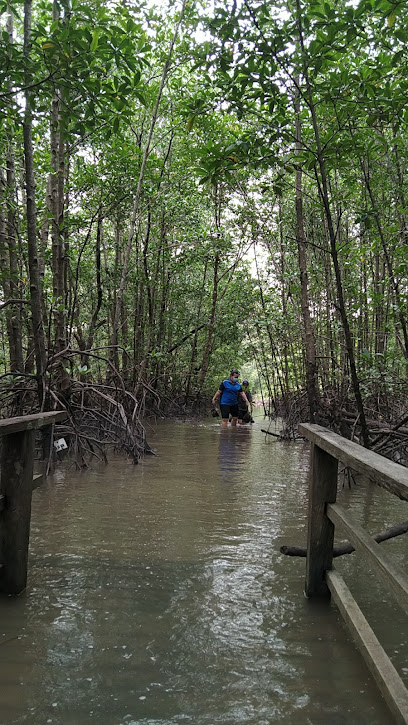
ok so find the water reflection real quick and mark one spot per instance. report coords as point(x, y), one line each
point(157, 595)
point(234, 445)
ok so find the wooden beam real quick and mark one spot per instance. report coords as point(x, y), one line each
point(30, 422)
point(16, 486)
point(390, 533)
point(395, 579)
point(385, 473)
point(384, 672)
point(320, 533)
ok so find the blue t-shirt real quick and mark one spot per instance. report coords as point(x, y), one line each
point(229, 392)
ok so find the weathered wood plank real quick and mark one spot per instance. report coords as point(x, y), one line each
point(384, 672)
point(393, 577)
point(320, 534)
point(16, 486)
point(385, 473)
point(30, 422)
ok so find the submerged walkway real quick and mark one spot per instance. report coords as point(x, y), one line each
point(157, 594)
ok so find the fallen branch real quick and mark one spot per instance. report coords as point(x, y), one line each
point(390, 533)
point(268, 432)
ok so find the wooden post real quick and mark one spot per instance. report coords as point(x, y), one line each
point(17, 462)
point(320, 535)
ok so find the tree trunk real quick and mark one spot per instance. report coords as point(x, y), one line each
point(211, 325)
point(57, 236)
point(5, 267)
point(12, 286)
point(95, 314)
point(193, 357)
point(308, 333)
point(283, 297)
point(138, 193)
point(35, 286)
point(321, 177)
point(399, 304)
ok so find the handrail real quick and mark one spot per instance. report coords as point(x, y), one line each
point(384, 565)
point(327, 450)
point(16, 487)
point(386, 676)
point(385, 473)
point(30, 422)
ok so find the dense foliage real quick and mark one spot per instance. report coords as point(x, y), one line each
point(182, 190)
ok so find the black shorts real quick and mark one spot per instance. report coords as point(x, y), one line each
point(227, 409)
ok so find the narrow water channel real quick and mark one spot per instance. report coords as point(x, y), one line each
point(157, 594)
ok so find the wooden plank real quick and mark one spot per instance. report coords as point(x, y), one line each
point(2, 502)
point(395, 579)
point(16, 485)
point(320, 533)
point(30, 422)
point(38, 480)
point(384, 672)
point(385, 473)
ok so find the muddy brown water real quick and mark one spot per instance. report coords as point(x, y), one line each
point(157, 594)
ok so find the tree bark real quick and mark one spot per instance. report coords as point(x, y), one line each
point(308, 333)
point(193, 357)
point(57, 183)
point(12, 285)
point(388, 260)
point(35, 286)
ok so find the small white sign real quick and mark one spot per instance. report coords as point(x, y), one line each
point(60, 444)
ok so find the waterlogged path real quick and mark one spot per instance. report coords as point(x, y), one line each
point(157, 594)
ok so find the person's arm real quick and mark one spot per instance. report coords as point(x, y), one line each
point(217, 395)
point(244, 397)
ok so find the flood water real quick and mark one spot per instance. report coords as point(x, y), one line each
point(157, 594)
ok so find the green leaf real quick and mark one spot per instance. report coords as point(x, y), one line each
point(141, 98)
point(95, 39)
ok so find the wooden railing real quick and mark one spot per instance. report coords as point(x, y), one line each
point(321, 578)
point(16, 486)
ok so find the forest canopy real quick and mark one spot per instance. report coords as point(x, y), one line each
point(190, 186)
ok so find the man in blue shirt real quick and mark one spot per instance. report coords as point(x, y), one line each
point(229, 391)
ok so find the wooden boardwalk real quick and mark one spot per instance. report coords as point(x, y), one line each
point(16, 486)
point(322, 579)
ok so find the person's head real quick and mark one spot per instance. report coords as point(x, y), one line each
point(234, 374)
point(245, 384)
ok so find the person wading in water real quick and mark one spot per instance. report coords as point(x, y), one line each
point(244, 412)
point(230, 390)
